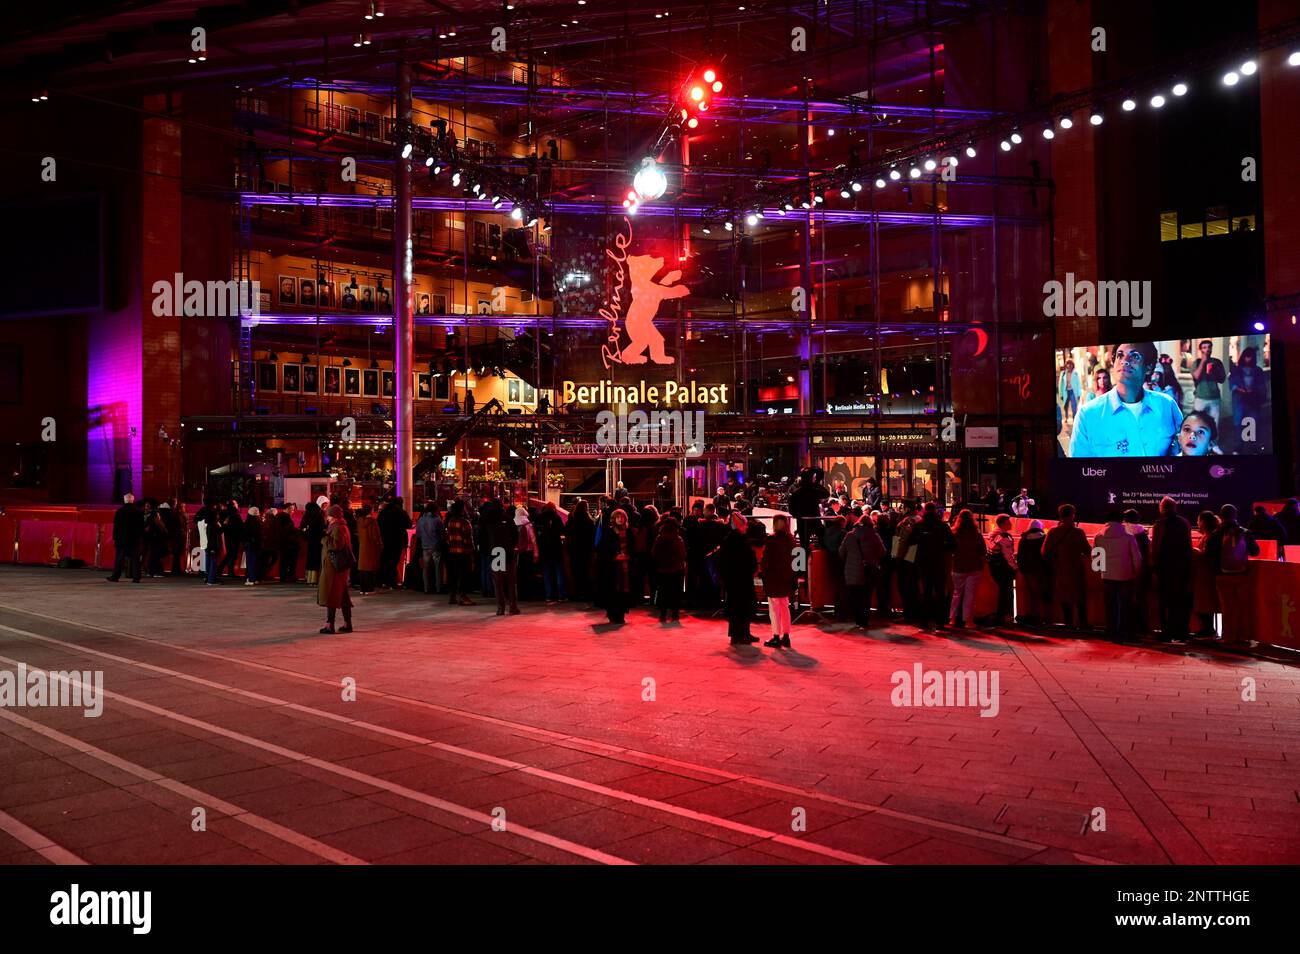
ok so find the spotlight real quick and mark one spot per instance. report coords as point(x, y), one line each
point(727, 225)
point(710, 76)
point(930, 164)
point(880, 183)
point(1230, 78)
point(1258, 326)
point(856, 186)
point(474, 188)
point(751, 220)
point(650, 181)
point(406, 151)
point(455, 178)
point(1129, 105)
point(697, 93)
point(914, 172)
point(1157, 101)
point(1180, 89)
point(805, 204)
point(1066, 122)
point(1004, 146)
point(429, 161)
point(950, 160)
point(830, 132)
point(845, 193)
point(365, 39)
point(1016, 137)
point(789, 206)
point(1293, 59)
point(1096, 119)
point(1048, 133)
point(818, 199)
point(692, 123)
point(970, 151)
point(517, 214)
point(437, 168)
point(1248, 68)
point(895, 174)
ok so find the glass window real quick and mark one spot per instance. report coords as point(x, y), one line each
point(1191, 230)
point(1218, 227)
point(1168, 226)
point(896, 478)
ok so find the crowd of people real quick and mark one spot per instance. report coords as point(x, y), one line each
point(908, 562)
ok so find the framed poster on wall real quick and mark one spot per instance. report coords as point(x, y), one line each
point(268, 376)
point(423, 386)
point(288, 286)
point(370, 382)
point(333, 381)
point(352, 382)
point(441, 388)
point(291, 382)
point(389, 383)
point(310, 379)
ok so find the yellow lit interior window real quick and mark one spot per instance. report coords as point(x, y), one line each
point(1168, 226)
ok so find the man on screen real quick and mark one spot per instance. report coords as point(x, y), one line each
point(1128, 420)
point(1208, 373)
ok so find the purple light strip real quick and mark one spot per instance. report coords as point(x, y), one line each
point(510, 94)
point(586, 323)
point(772, 216)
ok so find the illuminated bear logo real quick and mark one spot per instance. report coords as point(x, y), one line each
point(641, 312)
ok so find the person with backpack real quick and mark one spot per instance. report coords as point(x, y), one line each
point(861, 551)
point(1228, 550)
point(1120, 568)
point(336, 567)
point(1002, 565)
point(969, 555)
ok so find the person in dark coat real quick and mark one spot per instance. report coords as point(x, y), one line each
point(779, 580)
point(313, 533)
point(1289, 517)
point(170, 517)
point(332, 591)
point(1037, 575)
point(1171, 558)
point(737, 566)
point(884, 579)
point(861, 551)
point(394, 524)
point(580, 542)
point(128, 535)
point(209, 516)
point(1267, 527)
point(270, 543)
point(289, 547)
point(252, 545)
point(832, 537)
point(155, 538)
point(232, 534)
point(669, 561)
point(1068, 554)
point(614, 556)
point(934, 544)
point(502, 556)
point(549, 528)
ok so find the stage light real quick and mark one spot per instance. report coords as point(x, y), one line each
point(914, 172)
point(496, 200)
point(455, 178)
point(970, 151)
point(1066, 122)
point(805, 204)
point(429, 161)
point(710, 76)
point(706, 230)
point(406, 151)
point(1016, 137)
point(818, 199)
point(895, 174)
point(949, 161)
point(930, 164)
point(1096, 119)
point(697, 93)
point(1004, 146)
point(365, 39)
point(632, 207)
point(845, 194)
point(1048, 133)
point(789, 207)
point(830, 132)
point(517, 214)
point(1293, 59)
point(856, 186)
point(751, 220)
point(1180, 89)
point(474, 188)
point(1248, 68)
point(727, 225)
point(650, 182)
point(717, 88)
point(1157, 101)
point(1128, 105)
point(880, 183)
point(1259, 326)
point(1230, 78)
point(437, 168)
point(692, 123)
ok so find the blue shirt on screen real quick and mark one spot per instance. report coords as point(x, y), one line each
point(1105, 428)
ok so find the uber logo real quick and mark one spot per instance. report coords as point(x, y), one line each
point(1094, 472)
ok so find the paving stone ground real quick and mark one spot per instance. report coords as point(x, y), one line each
point(550, 737)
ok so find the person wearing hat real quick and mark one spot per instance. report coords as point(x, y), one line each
point(252, 545)
point(336, 568)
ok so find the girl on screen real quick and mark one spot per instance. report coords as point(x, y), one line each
point(1198, 436)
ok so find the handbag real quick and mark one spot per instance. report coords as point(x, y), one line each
point(342, 560)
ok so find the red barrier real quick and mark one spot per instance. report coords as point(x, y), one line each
point(45, 541)
point(8, 529)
